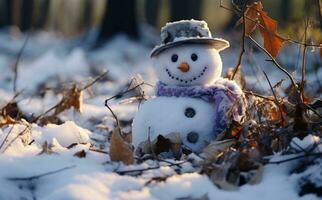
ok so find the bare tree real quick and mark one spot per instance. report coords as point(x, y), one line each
point(120, 17)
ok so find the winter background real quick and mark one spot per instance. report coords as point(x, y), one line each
point(68, 42)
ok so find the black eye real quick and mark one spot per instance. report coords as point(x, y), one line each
point(174, 58)
point(194, 57)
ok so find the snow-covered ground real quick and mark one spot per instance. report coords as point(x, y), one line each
point(49, 62)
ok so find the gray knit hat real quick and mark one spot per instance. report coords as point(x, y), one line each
point(187, 31)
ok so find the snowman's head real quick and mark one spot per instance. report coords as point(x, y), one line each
point(188, 64)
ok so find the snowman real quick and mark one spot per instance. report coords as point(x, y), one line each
point(191, 97)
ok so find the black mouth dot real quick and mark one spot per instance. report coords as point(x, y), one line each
point(186, 81)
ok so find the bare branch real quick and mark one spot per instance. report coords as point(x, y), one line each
point(276, 100)
point(15, 138)
point(295, 158)
point(304, 59)
point(275, 62)
point(242, 51)
point(40, 175)
point(15, 67)
point(95, 80)
point(258, 95)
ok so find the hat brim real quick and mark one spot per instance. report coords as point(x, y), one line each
point(216, 43)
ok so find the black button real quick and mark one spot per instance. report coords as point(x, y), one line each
point(192, 137)
point(190, 112)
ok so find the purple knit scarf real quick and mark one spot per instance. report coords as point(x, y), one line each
point(224, 95)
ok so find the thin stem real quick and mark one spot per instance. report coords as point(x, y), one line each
point(40, 175)
point(258, 95)
point(276, 100)
point(275, 62)
point(295, 158)
point(15, 138)
point(15, 67)
point(239, 13)
point(304, 60)
point(94, 81)
point(242, 51)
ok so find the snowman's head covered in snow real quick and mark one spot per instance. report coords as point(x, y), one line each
point(188, 54)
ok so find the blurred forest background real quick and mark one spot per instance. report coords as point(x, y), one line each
point(72, 17)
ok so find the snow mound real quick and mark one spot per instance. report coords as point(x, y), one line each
point(66, 133)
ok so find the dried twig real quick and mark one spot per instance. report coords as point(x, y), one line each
point(239, 13)
point(40, 175)
point(95, 80)
point(258, 95)
point(126, 91)
point(295, 158)
point(5, 139)
point(276, 100)
point(114, 115)
point(242, 51)
point(122, 172)
point(98, 150)
point(304, 59)
point(15, 138)
point(15, 67)
point(58, 104)
point(272, 59)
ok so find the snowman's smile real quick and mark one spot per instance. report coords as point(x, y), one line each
point(186, 80)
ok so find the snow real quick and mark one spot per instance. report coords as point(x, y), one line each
point(54, 60)
point(66, 133)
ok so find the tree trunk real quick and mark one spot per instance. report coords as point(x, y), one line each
point(152, 11)
point(120, 17)
point(185, 9)
point(5, 13)
point(26, 15)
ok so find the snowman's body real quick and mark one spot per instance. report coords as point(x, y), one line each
point(189, 72)
point(190, 117)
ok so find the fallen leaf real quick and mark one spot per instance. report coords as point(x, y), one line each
point(120, 149)
point(71, 98)
point(6, 120)
point(163, 143)
point(46, 149)
point(215, 148)
point(80, 154)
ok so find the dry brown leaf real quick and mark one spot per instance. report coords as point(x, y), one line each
point(120, 149)
point(256, 175)
point(215, 148)
point(219, 177)
point(272, 42)
point(71, 98)
point(251, 18)
point(6, 120)
point(256, 17)
point(46, 149)
point(163, 143)
point(80, 154)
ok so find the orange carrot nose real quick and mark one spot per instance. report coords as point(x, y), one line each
point(184, 67)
